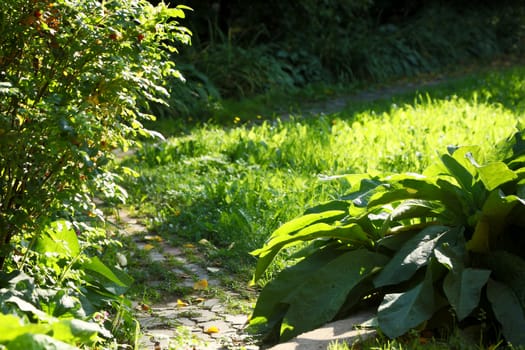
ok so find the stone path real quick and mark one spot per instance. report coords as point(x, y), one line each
point(195, 322)
point(198, 322)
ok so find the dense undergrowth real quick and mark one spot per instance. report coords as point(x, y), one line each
point(244, 49)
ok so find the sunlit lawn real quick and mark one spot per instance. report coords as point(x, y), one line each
point(234, 186)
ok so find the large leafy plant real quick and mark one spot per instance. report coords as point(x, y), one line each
point(434, 249)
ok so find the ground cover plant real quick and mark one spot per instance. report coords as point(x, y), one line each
point(75, 80)
point(233, 186)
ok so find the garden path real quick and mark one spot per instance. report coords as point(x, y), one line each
point(201, 323)
point(198, 321)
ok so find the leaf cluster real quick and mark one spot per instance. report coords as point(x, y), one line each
point(64, 296)
point(412, 245)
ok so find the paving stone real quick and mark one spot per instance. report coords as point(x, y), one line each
point(151, 322)
point(183, 321)
point(208, 304)
point(205, 316)
point(156, 256)
point(219, 309)
point(173, 251)
point(198, 271)
point(238, 320)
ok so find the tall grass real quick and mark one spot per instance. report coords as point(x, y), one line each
point(234, 186)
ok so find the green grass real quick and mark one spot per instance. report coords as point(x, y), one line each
point(233, 186)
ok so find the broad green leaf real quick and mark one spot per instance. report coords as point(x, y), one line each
point(291, 227)
point(96, 265)
point(480, 240)
point(415, 208)
point(400, 312)
point(77, 331)
point(508, 311)
point(498, 205)
point(59, 237)
point(28, 308)
point(12, 327)
point(460, 166)
point(463, 289)
point(508, 268)
point(415, 253)
point(407, 186)
point(465, 176)
point(493, 175)
point(321, 294)
point(350, 233)
point(328, 206)
point(395, 242)
point(39, 342)
point(452, 256)
point(268, 310)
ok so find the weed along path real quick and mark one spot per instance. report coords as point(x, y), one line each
point(207, 317)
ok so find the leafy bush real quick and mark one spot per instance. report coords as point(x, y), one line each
point(64, 294)
point(419, 245)
point(75, 80)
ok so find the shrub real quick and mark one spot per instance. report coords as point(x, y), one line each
point(75, 78)
point(416, 245)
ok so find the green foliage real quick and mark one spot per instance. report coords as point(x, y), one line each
point(64, 295)
point(76, 76)
point(232, 186)
point(238, 71)
point(75, 80)
point(448, 238)
point(245, 47)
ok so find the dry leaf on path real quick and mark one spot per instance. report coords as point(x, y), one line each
point(181, 303)
point(211, 330)
point(201, 285)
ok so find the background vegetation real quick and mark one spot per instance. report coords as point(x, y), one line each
point(246, 48)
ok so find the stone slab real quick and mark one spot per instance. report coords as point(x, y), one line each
point(342, 330)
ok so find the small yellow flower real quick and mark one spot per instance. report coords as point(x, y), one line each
point(236, 120)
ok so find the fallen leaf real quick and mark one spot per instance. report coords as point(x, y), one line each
point(155, 238)
point(181, 303)
point(211, 330)
point(201, 285)
point(189, 245)
point(143, 307)
point(148, 246)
